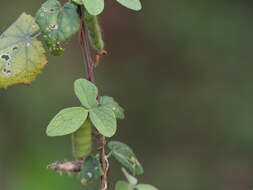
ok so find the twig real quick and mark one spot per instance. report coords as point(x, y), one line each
point(85, 49)
point(89, 69)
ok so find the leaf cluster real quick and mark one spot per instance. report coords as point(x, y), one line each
point(102, 114)
point(22, 58)
point(124, 154)
point(22, 55)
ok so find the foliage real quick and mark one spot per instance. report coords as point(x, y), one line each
point(125, 156)
point(67, 121)
point(57, 24)
point(86, 93)
point(132, 183)
point(95, 7)
point(131, 179)
point(104, 120)
point(91, 169)
point(131, 4)
point(22, 57)
point(109, 102)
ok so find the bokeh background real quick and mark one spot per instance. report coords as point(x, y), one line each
point(183, 72)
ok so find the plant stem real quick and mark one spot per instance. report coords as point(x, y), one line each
point(101, 141)
point(86, 50)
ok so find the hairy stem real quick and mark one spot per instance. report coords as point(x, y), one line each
point(86, 51)
point(101, 141)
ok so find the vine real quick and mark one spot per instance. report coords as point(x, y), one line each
point(22, 58)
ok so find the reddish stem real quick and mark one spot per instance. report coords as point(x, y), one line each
point(89, 68)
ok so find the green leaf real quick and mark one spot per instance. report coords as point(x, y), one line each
point(81, 140)
point(131, 4)
point(86, 92)
point(122, 185)
point(113, 105)
point(145, 187)
point(57, 23)
point(94, 7)
point(91, 169)
point(67, 121)
point(125, 156)
point(131, 179)
point(22, 56)
point(104, 120)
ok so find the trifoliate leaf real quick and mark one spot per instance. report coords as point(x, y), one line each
point(113, 105)
point(104, 120)
point(22, 56)
point(67, 121)
point(82, 141)
point(94, 7)
point(125, 156)
point(86, 92)
point(57, 23)
point(131, 179)
point(122, 185)
point(131, 4)
point(145, 187)
point(91, 169)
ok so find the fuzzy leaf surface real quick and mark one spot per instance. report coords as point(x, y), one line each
point(22, 56)
point(125, 156)
point(57, 24)
point(86, 92)
point(67, 121)
point(104, 120)
point(131, 4)
point(113, 105)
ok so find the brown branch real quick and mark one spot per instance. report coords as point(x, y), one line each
point(85, 48)
point(103, 160)
point(89, 69)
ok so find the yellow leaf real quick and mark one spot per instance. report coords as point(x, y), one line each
point(22, 56)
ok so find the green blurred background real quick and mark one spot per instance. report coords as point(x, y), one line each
point(183, 72)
